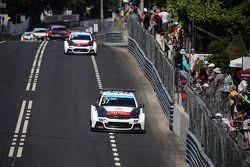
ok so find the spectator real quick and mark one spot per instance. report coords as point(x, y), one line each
point(185, 62)
point(218, 84)
point(246, 121)
point(242, 87)
point(146, 19)
point(211, 73)
point(164, 18)
point(184, 95)
point(202, 73)
point(194, 59)
point(228, 84)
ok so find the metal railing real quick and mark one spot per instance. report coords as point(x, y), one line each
point(209, 137)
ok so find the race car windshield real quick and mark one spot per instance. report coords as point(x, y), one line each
point(41, 30)
point(126, 102)
point(80, 37)
point(58, 28)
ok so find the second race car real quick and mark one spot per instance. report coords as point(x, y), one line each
point(80, 43)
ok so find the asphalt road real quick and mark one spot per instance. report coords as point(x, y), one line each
point(45, 112)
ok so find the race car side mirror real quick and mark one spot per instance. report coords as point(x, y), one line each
point(96, 104)
point(141, 106)
point(66, 39)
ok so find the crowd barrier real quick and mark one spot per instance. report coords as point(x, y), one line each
point(208, 143)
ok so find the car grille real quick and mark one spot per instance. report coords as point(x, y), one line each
point(118, 117)
point(81, 50)
point(118, 125)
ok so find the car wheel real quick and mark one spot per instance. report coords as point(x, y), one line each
point(92, 129)
point(66, 53)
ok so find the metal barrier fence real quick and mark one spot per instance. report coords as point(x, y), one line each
point(195, 154)
point(155, 63)
point(216, 142)
point(152, 50)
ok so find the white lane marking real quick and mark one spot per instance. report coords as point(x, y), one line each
point(33, 67)
point(115, 154)
point(117, 164)
point(20, 117)
point(99, 82)
point(111, 135)
point(11, 152)
point(25, 126)
point(30, 105)
point(34, 73)
point(2, 42)
point(19, 137)
point(19, 152)
point(38, 67)
point(117, 159)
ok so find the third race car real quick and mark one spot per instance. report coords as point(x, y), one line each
point(117, 110)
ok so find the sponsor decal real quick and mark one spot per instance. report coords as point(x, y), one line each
point(81, 43)
point(119, 113)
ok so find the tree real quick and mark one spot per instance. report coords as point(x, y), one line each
point(236, 47)
point(233, 15)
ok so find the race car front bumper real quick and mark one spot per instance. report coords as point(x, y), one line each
point(81, 50)
point(106, 124)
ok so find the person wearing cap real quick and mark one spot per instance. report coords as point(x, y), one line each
point(185, 63)
point(145, 17)
point(211, 73)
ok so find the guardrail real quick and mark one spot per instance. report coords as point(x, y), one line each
point(149, 65)
point(196, 156)
point(206, 137)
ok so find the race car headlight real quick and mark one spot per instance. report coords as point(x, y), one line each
point(135, 113)
point(90, 43)
point(71, 43)
point(101, 111)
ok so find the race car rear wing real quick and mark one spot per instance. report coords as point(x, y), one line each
point(116, 89)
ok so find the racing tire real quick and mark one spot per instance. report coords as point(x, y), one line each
point(66, 53)
point(91, 129)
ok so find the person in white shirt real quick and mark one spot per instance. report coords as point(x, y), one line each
point(242, 87)
point(164, 17)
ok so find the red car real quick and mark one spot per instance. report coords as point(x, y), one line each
point(58, 32)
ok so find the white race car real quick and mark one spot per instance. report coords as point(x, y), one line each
point(117, 110)
point(80, 43)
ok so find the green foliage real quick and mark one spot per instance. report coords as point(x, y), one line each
point(232, 14)
point(219, 54)
point(236, 47)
